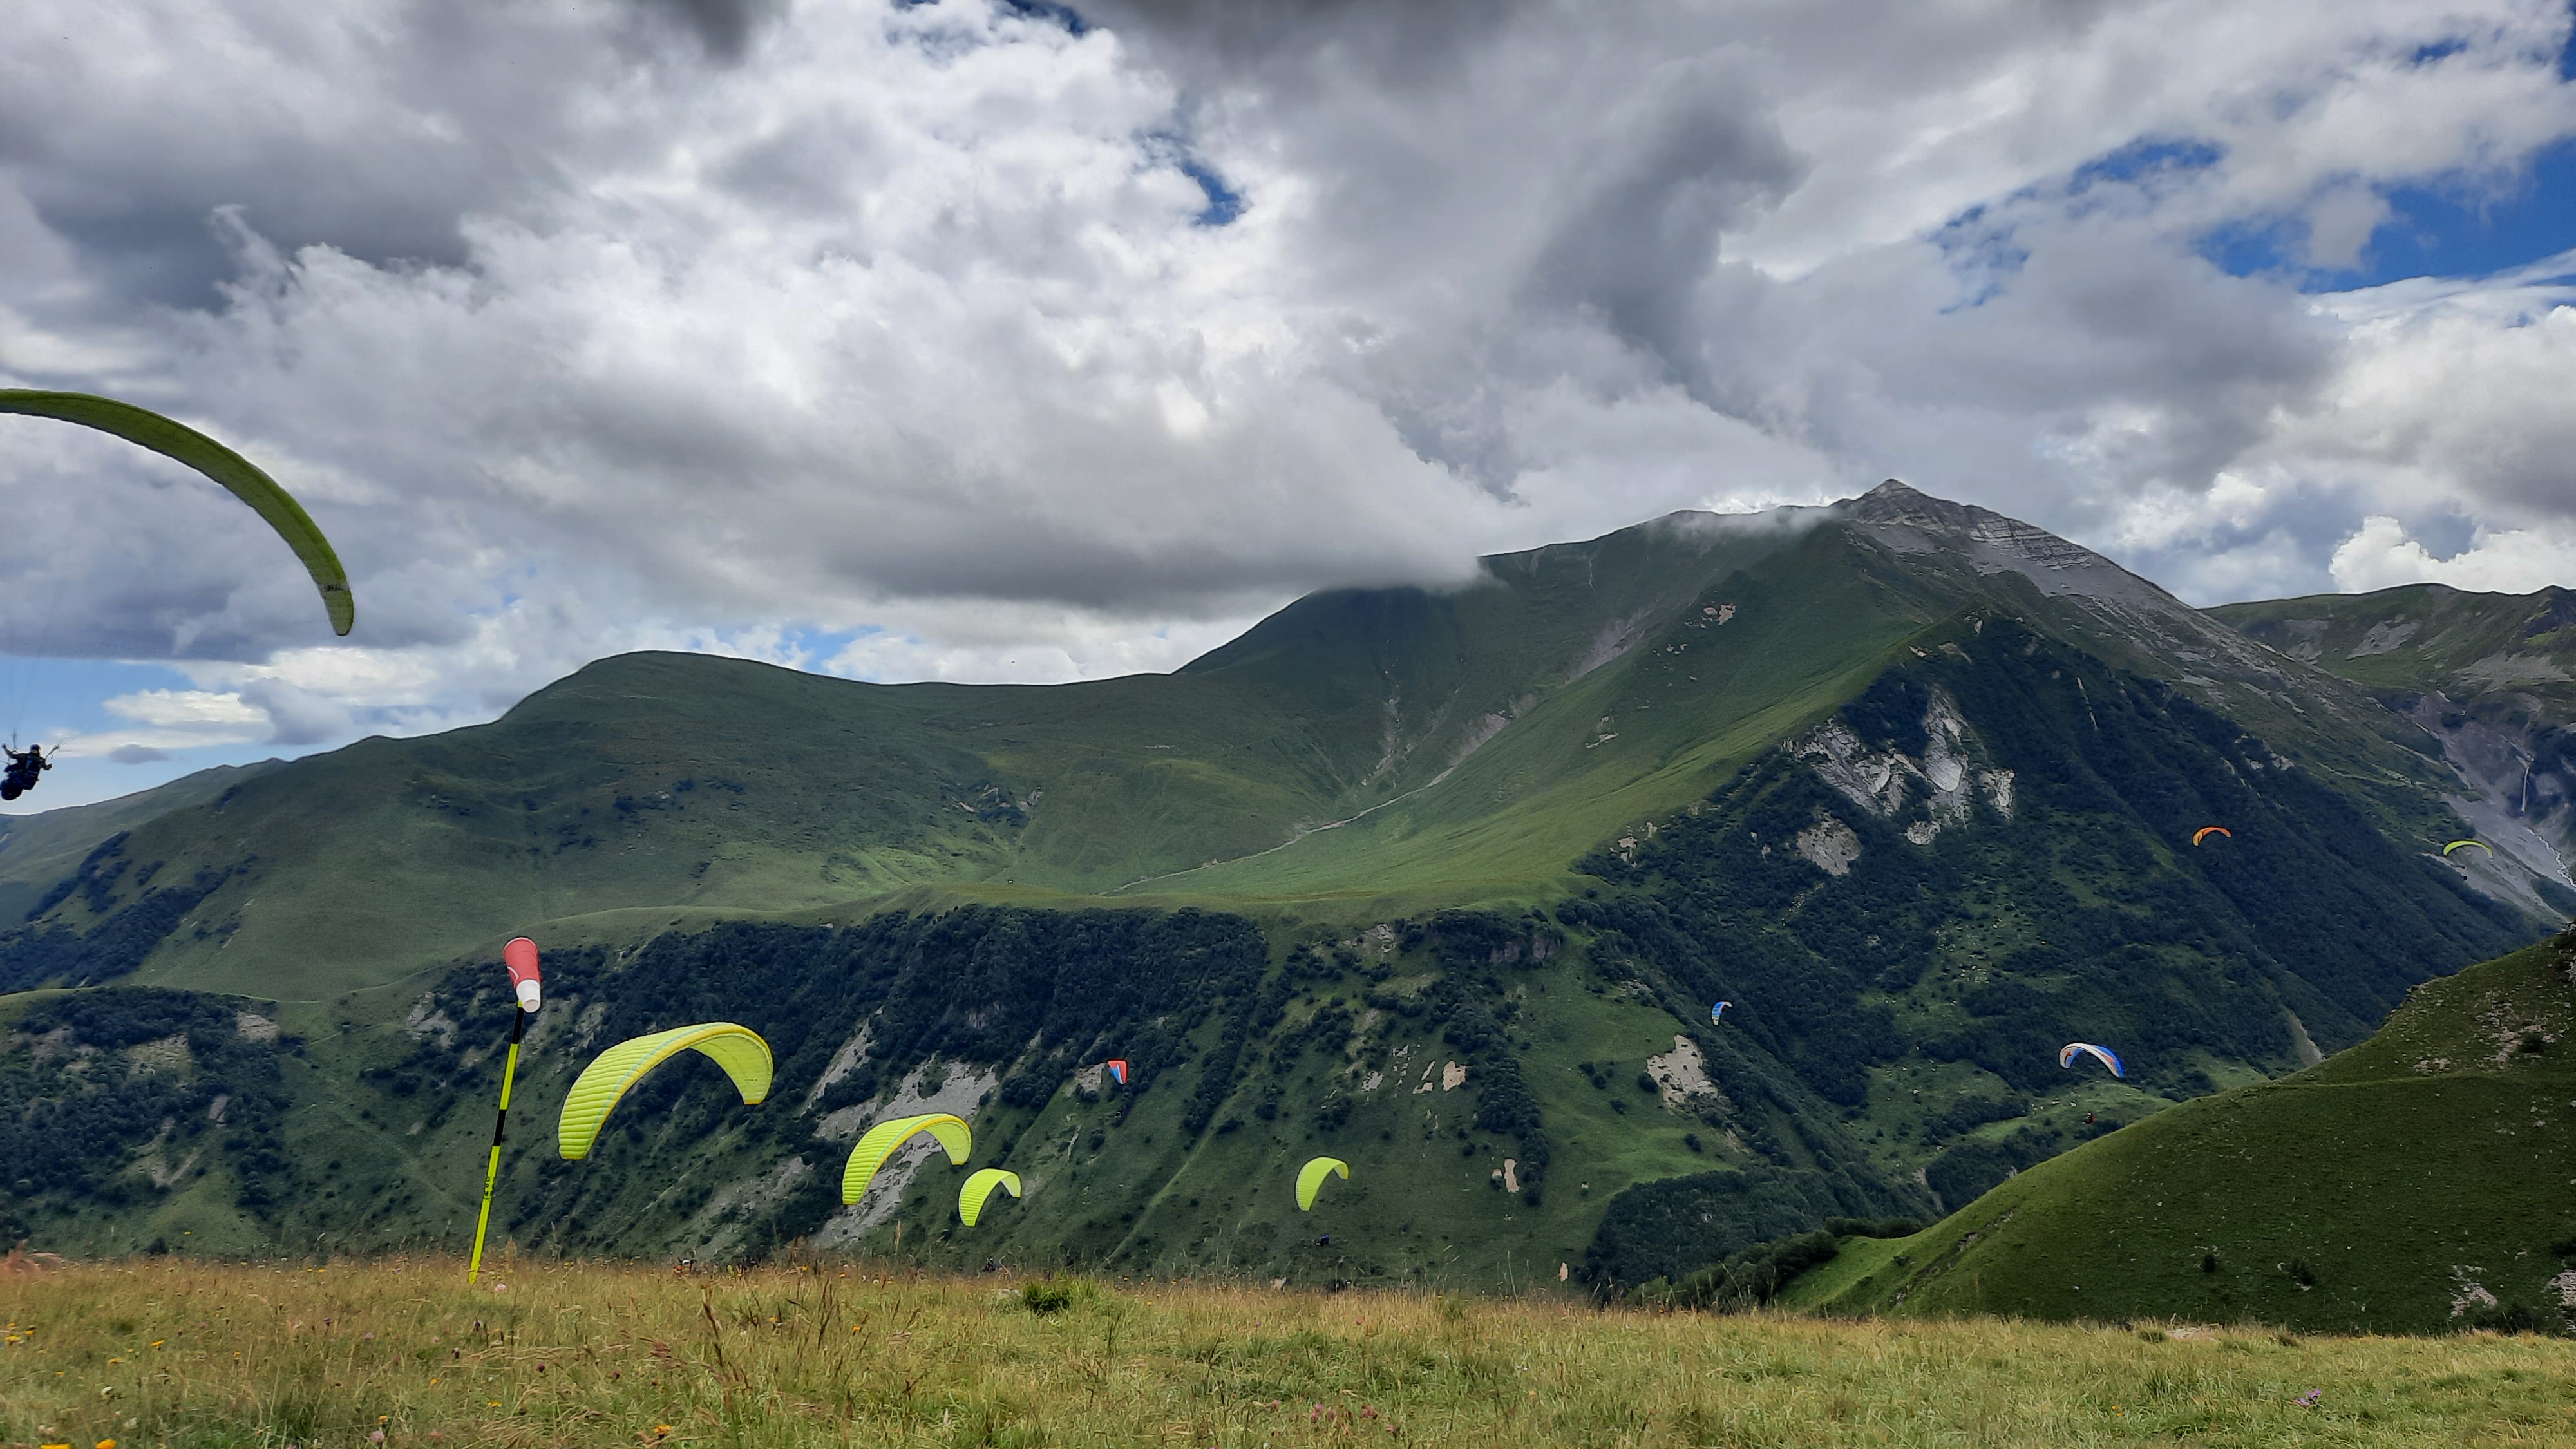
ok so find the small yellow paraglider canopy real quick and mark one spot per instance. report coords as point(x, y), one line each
point(2480, 844)
point(881, 1140)
point(1312, 1175)
point(970, 1203)
point(737, 1049)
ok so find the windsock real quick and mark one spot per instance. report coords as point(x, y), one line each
point(521, 957)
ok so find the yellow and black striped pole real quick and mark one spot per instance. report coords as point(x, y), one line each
point(520, 956)
point(500, 1123)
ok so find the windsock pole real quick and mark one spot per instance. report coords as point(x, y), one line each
point(521, 958)
point(500, 1122)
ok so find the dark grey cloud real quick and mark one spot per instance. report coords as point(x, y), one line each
point(1214, 43)
point(1690, 158)
point(724, 27)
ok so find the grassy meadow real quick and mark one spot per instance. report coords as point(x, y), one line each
point(152, 1352)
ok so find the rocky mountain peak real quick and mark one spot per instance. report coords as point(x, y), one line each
point(1896, 505)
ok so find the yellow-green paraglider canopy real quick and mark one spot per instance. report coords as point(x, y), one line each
point(737, 1049)
point(880, 1141)
point(2480, 844)
point(970, 1202)
point(183, 444)
point(1312, 1175)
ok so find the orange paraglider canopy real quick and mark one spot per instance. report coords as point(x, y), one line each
point(2206, 831)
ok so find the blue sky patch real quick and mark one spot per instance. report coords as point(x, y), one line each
point(2455, 227)
point(2145, 159)
point(1224, 203)
point(1064, 15)
point(2460, 231)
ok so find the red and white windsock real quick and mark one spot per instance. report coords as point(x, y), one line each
point(521, 957)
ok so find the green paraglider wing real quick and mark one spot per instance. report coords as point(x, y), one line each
point(881, 1140)
point(737, 1049)
point(970, 1202)
point(2480, 844)
point(181, 443)
point(1312, 1175)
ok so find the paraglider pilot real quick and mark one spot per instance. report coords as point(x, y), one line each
point(24, 766)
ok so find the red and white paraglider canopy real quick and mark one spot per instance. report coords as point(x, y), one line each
point(521, 957)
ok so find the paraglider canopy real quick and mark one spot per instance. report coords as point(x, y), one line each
point(1717, 1013)
point(2480, 844)
point(737, 1049)
point(1118, 1069)
point(2206, 831)
point(979, 1186)
point(879, 1142)
point(2067, 1054)
point(183, 444)
point(1312, 1175)
point(520, 956)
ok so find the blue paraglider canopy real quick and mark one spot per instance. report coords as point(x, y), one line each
point(1717, 1013)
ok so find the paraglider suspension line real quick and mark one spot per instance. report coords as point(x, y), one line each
point(500, 1123)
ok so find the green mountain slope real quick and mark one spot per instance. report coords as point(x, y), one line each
point(39, 849)
point(1442, 884)
point(2489, 679)
point(1985, 856)
point(1360, 755)
point(2415, 1182)
point(722, 786)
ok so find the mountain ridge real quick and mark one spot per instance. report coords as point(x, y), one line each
point(1914, 784)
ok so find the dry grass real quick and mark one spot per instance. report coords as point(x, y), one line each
point(193, 1354)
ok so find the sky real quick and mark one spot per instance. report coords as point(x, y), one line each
point(1001, 340)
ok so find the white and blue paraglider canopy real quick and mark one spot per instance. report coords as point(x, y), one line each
point(2067, 1054)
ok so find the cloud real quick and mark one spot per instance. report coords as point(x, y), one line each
point(2451, 392)
point(220, 716)
point(2381, 555)
point(905, 341)
point(132, 754)
point(724, 27)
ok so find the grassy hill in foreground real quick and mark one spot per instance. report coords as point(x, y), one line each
point(835, 1353)
point(2422, 1180)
